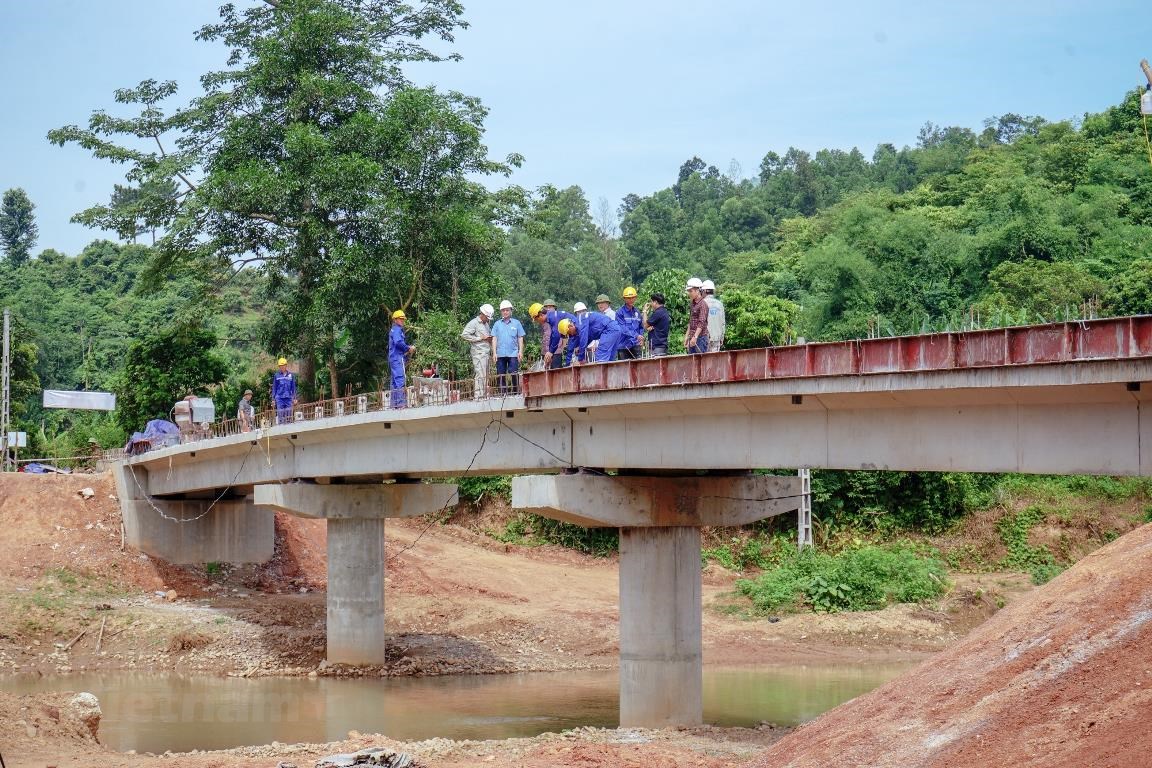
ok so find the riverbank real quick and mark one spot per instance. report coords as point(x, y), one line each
point(459, 602)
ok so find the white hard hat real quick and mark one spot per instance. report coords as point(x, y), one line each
point(694, 282)
point(487, 311)
point(708, 285)
point(505, 304)
point(579, 307)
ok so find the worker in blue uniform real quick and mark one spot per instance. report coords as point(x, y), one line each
point(398, 350)
point(283, 391)
point(597, 328)
point(552, 342)
point(631, 328)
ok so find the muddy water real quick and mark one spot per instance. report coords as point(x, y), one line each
point(154, 713)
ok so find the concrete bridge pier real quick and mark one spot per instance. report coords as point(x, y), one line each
point(660, 583)
point(192, 531)
point(356, 561)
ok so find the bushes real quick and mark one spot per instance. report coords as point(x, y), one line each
point(866, 578)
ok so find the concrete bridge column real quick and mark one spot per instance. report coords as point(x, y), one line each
point(660, 583)
point(355, 515)
point(661, 665)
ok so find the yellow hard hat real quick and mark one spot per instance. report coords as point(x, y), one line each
point(282, 361)
point(566, 327)
point(629, 293)
point(535, 309)
point(399, 314)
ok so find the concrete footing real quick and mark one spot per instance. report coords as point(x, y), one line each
point(660, 582)
point(356, 561)
point(191, 532)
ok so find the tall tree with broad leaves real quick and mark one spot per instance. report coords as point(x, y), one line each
point(18, 230)
point(312, 158)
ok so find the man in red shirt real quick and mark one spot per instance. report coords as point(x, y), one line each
point(696, 337)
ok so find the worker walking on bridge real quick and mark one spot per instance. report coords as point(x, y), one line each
point(598, 328)
point(283, 391)
point(398, 350)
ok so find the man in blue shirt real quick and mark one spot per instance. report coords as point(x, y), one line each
point(631, 327)
point(398, 349)
point(283, 391)
point(508, 349)
point(598, 328)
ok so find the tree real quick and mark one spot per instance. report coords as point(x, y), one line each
point(314, 160)
point(18, 230)
point(164, 367)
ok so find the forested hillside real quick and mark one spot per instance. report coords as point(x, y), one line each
point(1022, 220)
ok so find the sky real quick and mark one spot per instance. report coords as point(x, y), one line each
point(610, 95)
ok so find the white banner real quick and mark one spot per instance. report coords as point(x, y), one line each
point(17, 439)
point(86, 401)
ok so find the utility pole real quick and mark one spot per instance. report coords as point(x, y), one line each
point(6, 398)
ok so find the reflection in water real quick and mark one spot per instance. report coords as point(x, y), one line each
point(154, 713)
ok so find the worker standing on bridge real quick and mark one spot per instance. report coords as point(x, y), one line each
point(696, 337)
point(478, 334)
point(508, 347)
point(604, 304)
point(631, 330)
point(283, 391)
point(657, 321)
point(245, 413)
point(717, 324)
point(600, 329)
point(398, 350)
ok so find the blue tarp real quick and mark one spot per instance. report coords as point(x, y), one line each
point(157, 434)
point(36, 468)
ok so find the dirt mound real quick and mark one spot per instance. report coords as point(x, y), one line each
point(1060, 679)
point(62, 719)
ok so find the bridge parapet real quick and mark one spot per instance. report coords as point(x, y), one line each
point(1117, 338)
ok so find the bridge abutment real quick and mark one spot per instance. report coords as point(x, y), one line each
point(661, 668)
point(192, 531)
point(356, 560)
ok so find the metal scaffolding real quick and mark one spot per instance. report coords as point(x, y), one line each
point(6, 403)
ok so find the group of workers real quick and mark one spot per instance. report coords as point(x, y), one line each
point(567, 338)
point(583, 336)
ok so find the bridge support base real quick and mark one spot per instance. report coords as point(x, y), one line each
point(193, 531)
point(356, 561)
point(661, 671)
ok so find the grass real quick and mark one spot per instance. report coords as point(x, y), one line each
point(858, 579)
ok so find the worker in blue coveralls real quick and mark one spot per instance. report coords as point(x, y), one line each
point(552, 342)
point(598, 328)
point(580, 309)
point(398, 349)
point(631, 329)
point(283, 391)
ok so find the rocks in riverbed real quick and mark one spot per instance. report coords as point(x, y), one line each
point(372, 756)
point(85, 707)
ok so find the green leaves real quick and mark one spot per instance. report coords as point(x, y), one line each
point(18, 230)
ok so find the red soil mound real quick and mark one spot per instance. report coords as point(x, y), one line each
point(1060, 679)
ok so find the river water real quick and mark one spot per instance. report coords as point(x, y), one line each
point(154, 713)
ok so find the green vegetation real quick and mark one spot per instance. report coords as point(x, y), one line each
point(534, 530)
point(856, 579)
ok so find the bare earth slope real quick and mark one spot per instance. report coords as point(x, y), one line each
point(1060, 679)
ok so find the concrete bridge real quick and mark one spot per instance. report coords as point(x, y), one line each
point(657, 448)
